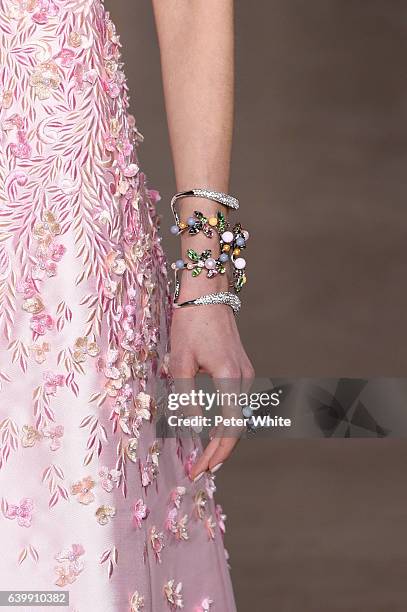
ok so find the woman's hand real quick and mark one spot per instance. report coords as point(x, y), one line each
point(205, 339)
point(199, 92)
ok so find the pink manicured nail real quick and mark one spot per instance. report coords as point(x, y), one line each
point(216, 468)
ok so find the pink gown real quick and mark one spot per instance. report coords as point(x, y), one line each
point(92, 501)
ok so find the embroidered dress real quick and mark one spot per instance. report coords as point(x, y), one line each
point(92, 501)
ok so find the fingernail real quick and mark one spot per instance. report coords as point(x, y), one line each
point(216, 468)
point(198, 477)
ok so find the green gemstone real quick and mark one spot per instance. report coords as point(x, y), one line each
point(193, 255)
point(221, 221)
point(196, 271)
point(240, 282)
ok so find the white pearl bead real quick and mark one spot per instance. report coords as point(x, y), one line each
point(246, 235)
point(240, 263)
point(210, 263)
point(227, 237)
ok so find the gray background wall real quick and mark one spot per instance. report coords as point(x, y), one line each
point(319, 165)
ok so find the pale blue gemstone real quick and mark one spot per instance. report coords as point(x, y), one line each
point(240, 241)
point(174, 229)
point(179, 264)
point(224, 257)
point(247, 412)
point(191, 221)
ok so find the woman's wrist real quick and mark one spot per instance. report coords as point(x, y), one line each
point(192, 287)
point(210, 249)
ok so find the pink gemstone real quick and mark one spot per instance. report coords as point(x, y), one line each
point(240, 263)
point(227, 237)
point(210, 263)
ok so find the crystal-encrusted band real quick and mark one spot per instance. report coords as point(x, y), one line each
point(209, 194)
point(222, 297)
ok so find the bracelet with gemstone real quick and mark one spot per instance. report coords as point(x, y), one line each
point(209, 194)
point(200, 223)
point(231, 242)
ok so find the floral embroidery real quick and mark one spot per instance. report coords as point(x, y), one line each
point(109, 478)
point(49, 252)
point(29, 436)
point(22, 148)
point(118, 143)
point(149, 470)
point(143, 403)
point(110, 288)
point(66, 56)
point(210, 484)
point(221, 518)
point(45, 79)
point(177, 527)
point(189, 462)
point(33, 305)
point(140, 512)
point(52, 381)
point(6, 98)
point(116, 263)
point(117, 374)
point(23, 512)
point(210, 527)
point(104, 513)
point(72, 555)
point(40, 323)
point(40, 10)
point(71, 564)
point(200, 501)
point(157, 542)
point(83, 490)
point(176, 496)
point(66, 575)
point(205, 605)
point(83, 347)
point(27, 287)
point(136, 602)
point(173, 593)
point(131, 449)
point(54, 433)
point(75, 39)
point(46, 229)
point(40, 351)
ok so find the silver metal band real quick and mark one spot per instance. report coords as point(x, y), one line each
point(216, 196)
point(222, 297)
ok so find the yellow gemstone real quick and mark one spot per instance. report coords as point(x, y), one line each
point(213, 221)
point(236, 252)
point(182, 225)
point(226, 247)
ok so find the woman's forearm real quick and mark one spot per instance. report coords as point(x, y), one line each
point(197, 55)
point(196, 45)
